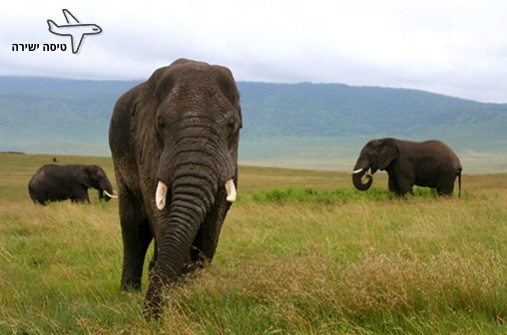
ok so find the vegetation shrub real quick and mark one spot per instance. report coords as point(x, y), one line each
point(292, 194)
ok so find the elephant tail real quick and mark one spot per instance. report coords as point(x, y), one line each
point(459, 182)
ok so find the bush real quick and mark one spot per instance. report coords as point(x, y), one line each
point(324, 196)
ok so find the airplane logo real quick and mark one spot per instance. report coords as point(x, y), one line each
point(74, 29)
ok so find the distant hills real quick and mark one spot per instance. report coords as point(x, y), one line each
point(43, 115)
point(316, 126)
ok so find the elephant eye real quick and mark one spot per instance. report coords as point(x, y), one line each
point(231, 123)
point(231, 126)
point(161, 123)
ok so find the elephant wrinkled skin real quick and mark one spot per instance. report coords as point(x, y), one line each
point(61, 182)
point(430, 164)
point(174, 141)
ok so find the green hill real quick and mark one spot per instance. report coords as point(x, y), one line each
point(317, 126)
point(42, 115)
point(334, 110)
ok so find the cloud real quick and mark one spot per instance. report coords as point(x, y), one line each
point(446, 46)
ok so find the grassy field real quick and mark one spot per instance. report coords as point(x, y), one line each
point(301, 252)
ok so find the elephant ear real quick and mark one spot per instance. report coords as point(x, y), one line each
point(388, 152)
point(83, 177)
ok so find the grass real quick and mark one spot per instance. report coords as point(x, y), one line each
point(301, 252)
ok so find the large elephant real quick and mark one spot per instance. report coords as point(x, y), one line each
point(61, 182)
point(174, 141)
point(430, 163)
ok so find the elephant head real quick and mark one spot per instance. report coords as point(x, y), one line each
point(197, 123)
point(92, 176)
point(375, 155)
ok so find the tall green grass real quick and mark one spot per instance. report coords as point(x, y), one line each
point(301, 252)
point(330, 196)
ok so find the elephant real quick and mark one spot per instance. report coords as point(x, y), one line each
point(54, 182)
point(430, 163)
point(174, 140)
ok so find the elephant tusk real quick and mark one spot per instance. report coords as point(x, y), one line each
point(112, 196)
point(231, 190)
point(160, 195)
point(358, 171)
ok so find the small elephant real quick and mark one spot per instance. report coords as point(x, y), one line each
point(61, 182)
point(430, 163)
point(174, 141)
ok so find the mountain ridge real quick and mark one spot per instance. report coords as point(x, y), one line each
point(307, 125)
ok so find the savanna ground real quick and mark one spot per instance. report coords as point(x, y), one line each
point(301, 252)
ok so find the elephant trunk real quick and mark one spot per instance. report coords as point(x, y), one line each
point(106, 191)
point(186, 202)
point(186, 193)
point(357, 179)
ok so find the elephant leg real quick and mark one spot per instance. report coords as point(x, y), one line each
point(81, 200)
point(80, 194)
point(393, 185)
point(205, 243)
point(405, 186)
point(136, 236)
point(154, 258)
point(400, 185)
point(203, 248)
point(445, 189)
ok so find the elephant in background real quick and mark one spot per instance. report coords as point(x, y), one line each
point(174, 141)
point(430, 164)
point(61, 182)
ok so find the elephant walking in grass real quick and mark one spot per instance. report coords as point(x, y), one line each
point(174, 141)
point(61, 182)
point(430, 164)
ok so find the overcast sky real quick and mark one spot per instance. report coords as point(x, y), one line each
point(457, 48)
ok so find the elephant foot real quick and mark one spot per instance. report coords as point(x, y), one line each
point(131, 285)
point(152, 309)
point(153, 304)
point(154, 300)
